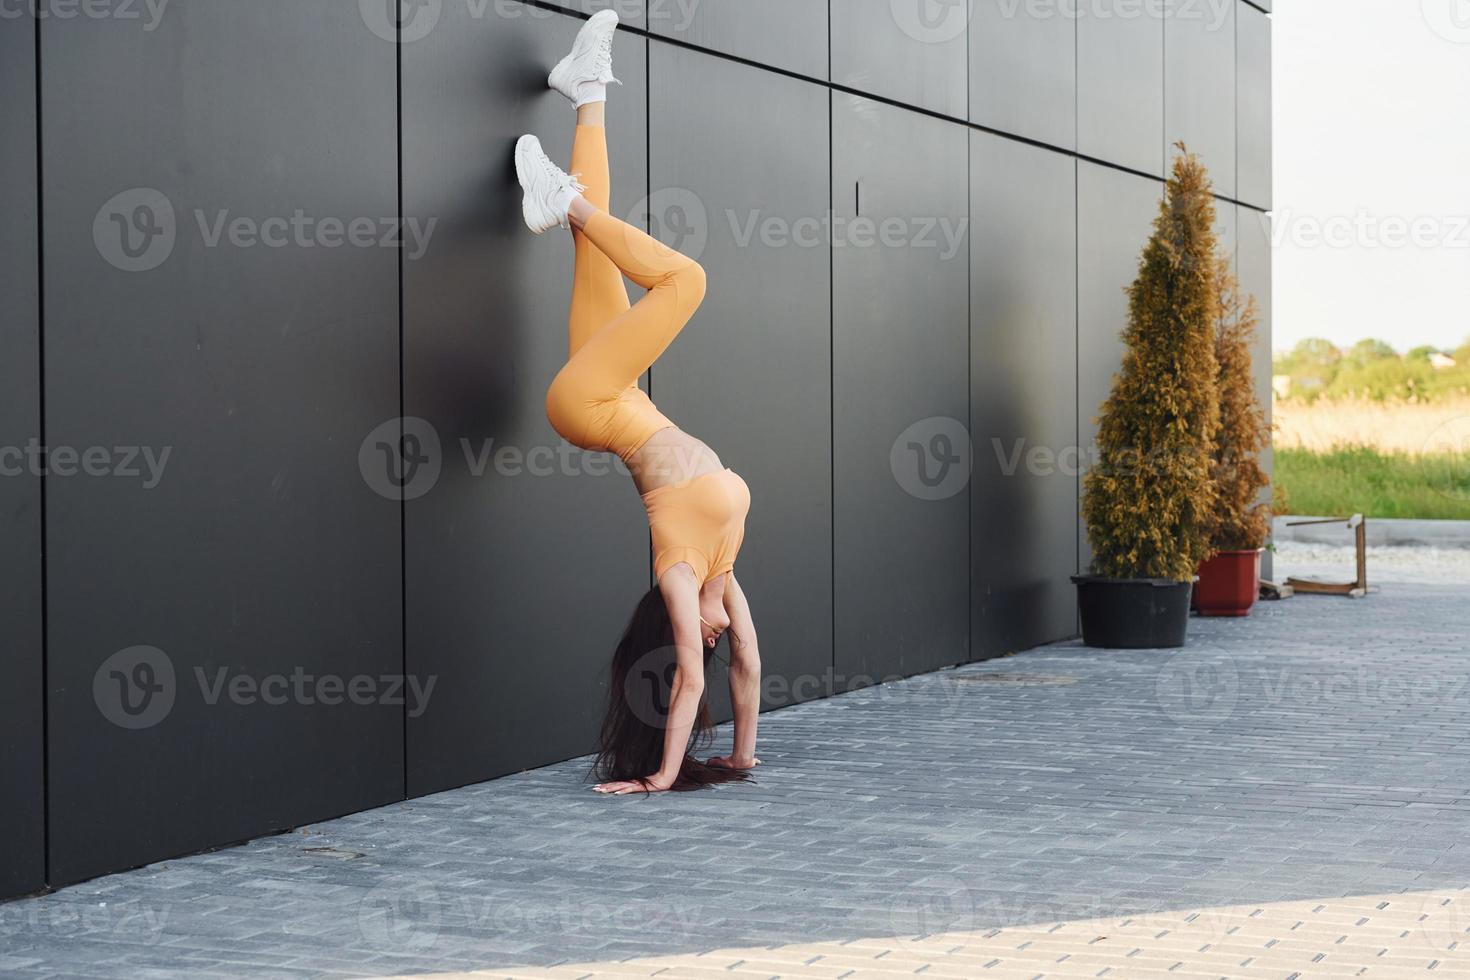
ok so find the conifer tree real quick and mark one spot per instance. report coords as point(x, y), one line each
point(1147, 498)
point(1240, 520)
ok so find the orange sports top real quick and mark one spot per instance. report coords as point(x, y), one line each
point(699, 521)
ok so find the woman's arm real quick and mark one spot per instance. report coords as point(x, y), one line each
point(681, 594)
point(745, 679)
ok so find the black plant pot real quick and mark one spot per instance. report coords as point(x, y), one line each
point(1133, 613)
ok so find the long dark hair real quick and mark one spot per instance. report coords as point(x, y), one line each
point(638, 694)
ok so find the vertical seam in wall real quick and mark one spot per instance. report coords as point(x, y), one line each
point(648, 192)
point(970, 653)
point(1077, 301)
point(969, 331)
point(970, 644)
point(831, 365)
point(1164, 64)
point(647, 166)
point(402, 503)
point(972, 639)
point(41, 510)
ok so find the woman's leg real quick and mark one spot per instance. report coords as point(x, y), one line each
point(598, 293)
point(619, 351)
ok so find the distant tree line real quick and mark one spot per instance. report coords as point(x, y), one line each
point(1371, 370)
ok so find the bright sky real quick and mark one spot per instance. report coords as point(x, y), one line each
point(1372, 144)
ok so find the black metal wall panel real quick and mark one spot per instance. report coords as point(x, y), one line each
point(22, 831)
point(1023, 70)
point(751, 374)
point(900, 311)
point(1120, 85)
point(631, 13)
point(1254, 262)
point(208, 296)
point(1023, 372)
point(1253, 95)
point(908, 51)
point(786, 34)
point(1199, 79)
point(1227, 231)
point(525, 559)
point(1115, 213)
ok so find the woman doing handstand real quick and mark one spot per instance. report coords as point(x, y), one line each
point(696, 506)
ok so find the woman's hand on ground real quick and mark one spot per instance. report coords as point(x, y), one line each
point(731, 762)
point(648, 784)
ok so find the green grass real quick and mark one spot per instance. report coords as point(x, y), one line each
point(1361, 480)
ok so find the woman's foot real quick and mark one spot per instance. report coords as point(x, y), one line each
point(549, 190)
point(583, 75)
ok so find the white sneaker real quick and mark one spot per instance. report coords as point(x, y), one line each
point(548, 189)
point(583, 75)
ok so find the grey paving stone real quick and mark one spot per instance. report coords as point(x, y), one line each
point(1315, 749)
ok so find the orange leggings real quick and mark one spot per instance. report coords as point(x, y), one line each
point(595, 401)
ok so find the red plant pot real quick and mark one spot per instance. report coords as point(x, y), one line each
point(1228, 584)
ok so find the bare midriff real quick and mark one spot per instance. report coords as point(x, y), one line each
point(671, 456)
